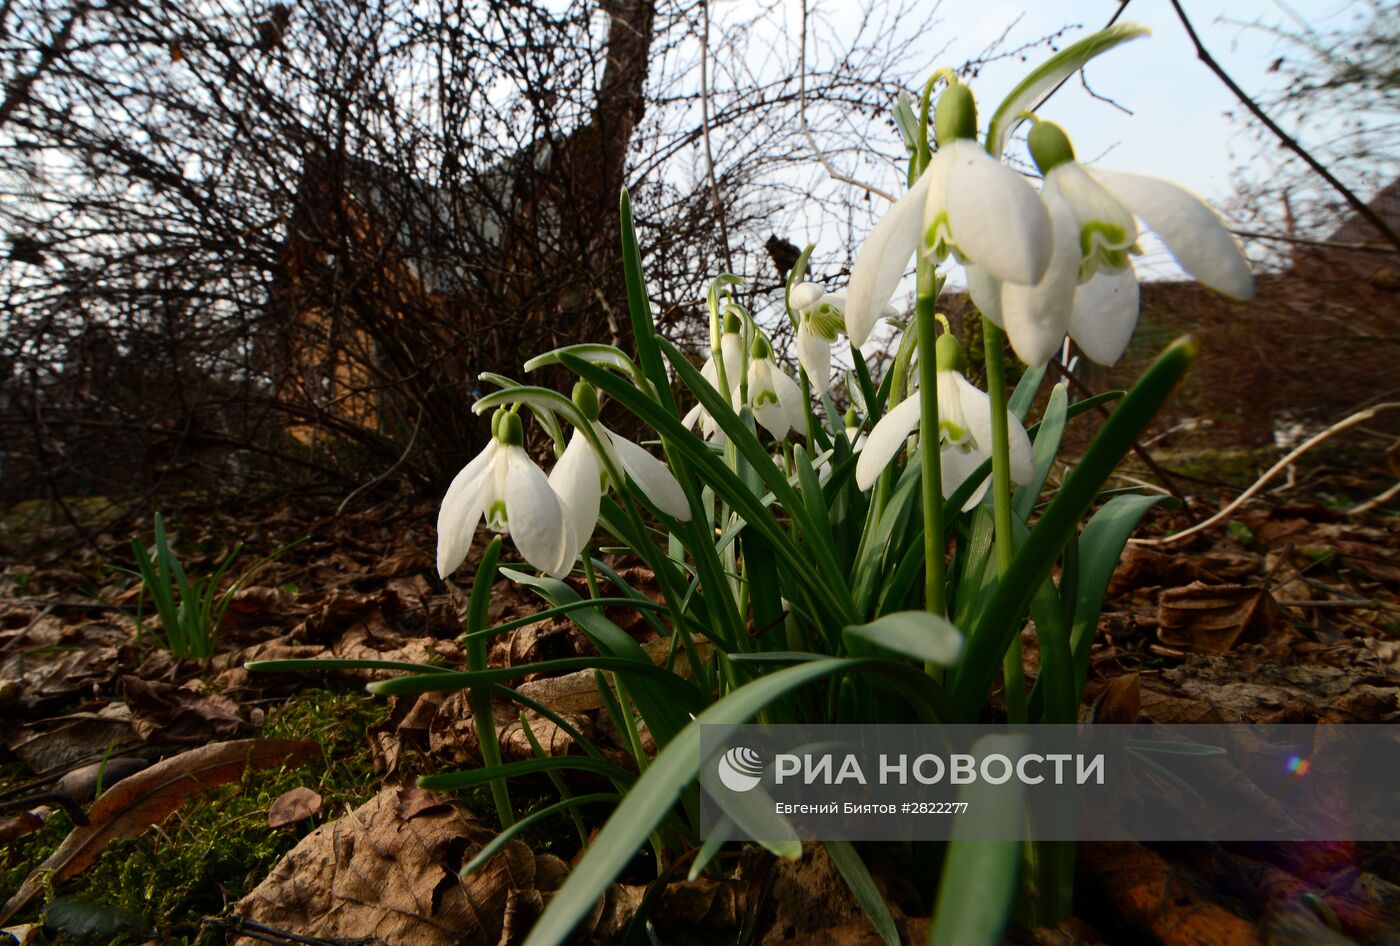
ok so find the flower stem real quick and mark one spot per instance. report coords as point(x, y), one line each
point(934, 579)
point(479, 698)
point(993, 346)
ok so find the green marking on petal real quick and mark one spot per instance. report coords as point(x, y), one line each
point(496, 517)
point(765, 397)
point(827, 322)
point(938, 237)
point(1101, 236)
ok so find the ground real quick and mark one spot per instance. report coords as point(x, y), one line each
point(1290, 611)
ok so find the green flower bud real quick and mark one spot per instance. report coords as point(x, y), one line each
point(955, 115)
point(733, 322)
point(851, 419)
point(509, 431)
point(496, 420)
point(1049, 146)
point(948, 353)
point(760, 349)
point(586, 399)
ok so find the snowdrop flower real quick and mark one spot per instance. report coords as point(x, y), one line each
point(731, 345)
point(506, 487)
point(776, 400)
point(580, 479)
point(1090, 290)
point(964, 426)
point(966, 203)
point(820, 316)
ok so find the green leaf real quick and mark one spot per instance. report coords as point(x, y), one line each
point(1023, 396)
point(669, 686)
point(918, 634)
point(660, 787)
point(454, 781)
point(639, 307)
point(996, 624)
point(315, 665)
point(664, 714)
point(742, 437)
point(544, 814)
point(1049, 74)
point(712, 470)
point(979, 876)
point(1047, 444)
point(1100, 547)
point(862, 886)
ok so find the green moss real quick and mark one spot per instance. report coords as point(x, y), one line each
point(217, 848)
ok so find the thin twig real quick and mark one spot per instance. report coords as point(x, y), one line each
point(807, 131)
point(1357, 511)
point(1303, 241)
point(1357, 204)
point(705, 132)
point(389, 472)
point(1360, 417)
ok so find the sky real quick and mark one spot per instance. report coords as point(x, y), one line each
point(1179, 127)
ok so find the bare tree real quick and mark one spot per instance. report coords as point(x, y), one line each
point(250, 239)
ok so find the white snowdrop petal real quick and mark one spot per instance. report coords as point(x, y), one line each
point(1092, 205)
point(1037, 317)
point(578, 483)
point(731, 348)
point(885, 440)
point(535, 515)
point(977, 410)
point(985, 291)
point(804, 295)
point(790, 400)
point(814, 354)
point(1190, 229)
point(957, 464)
point(461, 511)
point(652, 477)
point(882, 260)
point(1104, 315)
point(996, 218)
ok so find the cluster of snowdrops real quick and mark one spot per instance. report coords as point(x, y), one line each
point(1044, 264)
point(801, 552)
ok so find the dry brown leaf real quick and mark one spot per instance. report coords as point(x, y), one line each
point(149, 797)
point(81, 783)
point(166, 713)
point(389, 869)
point(1120, 701)
point(292, 806)
point(403, 561)
point(259, 606)
point(23, 824)
point(1149, 893)
point(1212, 618)
point(54, 745)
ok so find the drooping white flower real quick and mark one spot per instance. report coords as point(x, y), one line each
point(820, 316)
point(776, 399)
point(698, 415)
point(506, 487)
point(1090, 290)
point(966, 203)
point(731, 346)
point(965, 435)
point(580, 478)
